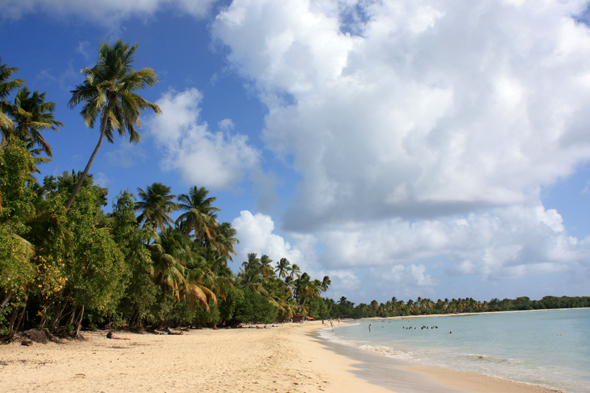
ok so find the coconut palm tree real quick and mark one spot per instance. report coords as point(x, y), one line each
point(295, 271)
point(199, 215)
point(265, 266)
point(253, 263)
point(283, 267)
point(224, 240)
point(252, 280)
point(31, 115)
point(6, 88)
point(109, 92)
point(326, 282)
point(155, 203)
point(306, 288)
point(35, 154)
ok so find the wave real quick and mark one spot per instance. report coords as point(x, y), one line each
point(501, 367)
point(491, 359)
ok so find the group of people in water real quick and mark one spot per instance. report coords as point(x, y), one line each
point(421, 328)
point(331, 321)
point(413, 327)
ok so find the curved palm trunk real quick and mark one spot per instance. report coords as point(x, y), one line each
point(77, 188)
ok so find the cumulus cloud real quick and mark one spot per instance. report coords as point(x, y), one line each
point(434, 108)
point(504, 243)
point(423, 130)
point(105, 12)
point(215, 160)
point(256, 234)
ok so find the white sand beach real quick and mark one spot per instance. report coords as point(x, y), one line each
point(281, 359)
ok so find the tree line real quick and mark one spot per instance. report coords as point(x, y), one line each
point(426, 306)
point(65, 263)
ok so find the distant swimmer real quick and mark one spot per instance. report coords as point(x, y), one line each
point(369, 327)
point(450, 332)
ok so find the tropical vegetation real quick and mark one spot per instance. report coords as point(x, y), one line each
point(68, 263)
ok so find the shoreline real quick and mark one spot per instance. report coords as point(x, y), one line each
point(288, 358)
point(435, 379)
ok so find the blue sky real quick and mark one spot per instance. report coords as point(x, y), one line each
point(433, 149)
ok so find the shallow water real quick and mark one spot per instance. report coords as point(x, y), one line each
point(549, 348)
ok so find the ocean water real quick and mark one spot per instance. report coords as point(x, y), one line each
point(549, 348)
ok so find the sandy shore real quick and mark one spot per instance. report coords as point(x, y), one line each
point(283, 359)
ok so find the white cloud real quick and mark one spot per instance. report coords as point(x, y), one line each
point(84, 49)
point(101, 179)
point(226, 125)
point(256, 234)
point(423, 130)
point(105, 12)
point(216, 160)
point(438, 108)
point(504, 243)
point(423, 258)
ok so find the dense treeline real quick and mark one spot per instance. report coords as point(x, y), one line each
point(65, 263)
point(424, 306)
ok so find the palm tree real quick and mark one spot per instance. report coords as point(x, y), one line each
point(253, 263)
point(35, 153)
point(265, 268)
point(224, 240)
point(295, 271)
point(200, 215)
point(283, 267)
point(251, 279)
point(108, 91)
point(305, 288)
point(6, 87)
point(32, 114)
point(326, 282)
point(155, 204)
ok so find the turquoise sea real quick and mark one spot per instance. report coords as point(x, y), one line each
point(549, 347)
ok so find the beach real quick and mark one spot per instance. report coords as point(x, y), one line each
point(288, 358)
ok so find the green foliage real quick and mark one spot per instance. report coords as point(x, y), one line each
point(256, 308)
point(95, 267)
point(16, 186)
point(320, 309)
point(16, 269)
point(202, 317)
point(229, 305)
point(141, 291)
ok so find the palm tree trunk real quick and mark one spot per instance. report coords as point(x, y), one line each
point(79, 323)
point(6, 300)
point(77, 188)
